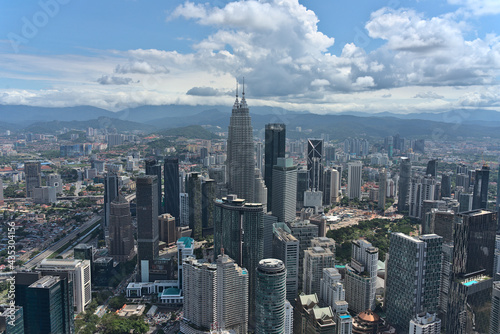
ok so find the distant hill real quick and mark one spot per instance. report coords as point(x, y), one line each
point(191, 131)
point(100, 123)
point(26, 115)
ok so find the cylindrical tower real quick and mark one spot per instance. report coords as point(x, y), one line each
point(270, 297)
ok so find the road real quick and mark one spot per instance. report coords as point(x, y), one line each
point(49, 251)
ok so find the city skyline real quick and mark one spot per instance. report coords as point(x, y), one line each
point(371, 56)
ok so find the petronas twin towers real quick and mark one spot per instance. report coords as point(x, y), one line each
point(240, 151)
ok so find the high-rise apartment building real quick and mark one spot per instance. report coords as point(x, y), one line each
point(208, 188)
point(354, 179)
point(413, 277)
point(382, 189)
point(361, 276)
point(110, 193)
point(193, 188)
point(286, 249)
point(495, 309)
point(421, 189)
point(167, 229)
point(275, 136)
point(33, 175)
point(147, 222)
point(332, 292)
point(284, 179)
point(171, 188)
point(335, 188)
point(240, 151)
point(153, 167)
point(121, 231)
point(304, 231)
point(315, 163)
point(1, 192)
point(425, 323)
point(270, 297)
point(404, 183)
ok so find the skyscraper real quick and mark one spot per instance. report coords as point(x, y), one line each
point(404, 183)
point(284, 189)
point(302, 186)
point(361, 276)
point(413, 277)
point(171, 189)
point(240, 151)
point(208, 206)
point(153, 167)
point(286, 249)
point(239, 229)
point(495, 309)
point(480, 198)
point(315, 163)
point(304, 231)
point(33, 174)
point(274, 149)
point(432, 166)
point(382, 188)
point(121, 234)
point(1, 192)
point(270, 297)
point(445, 185)
point(315, 260)
point(193, 188)
point(354, 181)
point(110, 193)
point(335, 187)
point(147, 221)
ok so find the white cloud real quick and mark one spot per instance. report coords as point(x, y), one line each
point(486, 98)
point(138, 66)
point(428, 95)
point(112, 80)
point(479, 7)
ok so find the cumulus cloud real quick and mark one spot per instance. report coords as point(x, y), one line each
point(112, 80)
point(488, 98)
point(141, 67)
point(207, 91)
point(479, 7)
point(428, 95)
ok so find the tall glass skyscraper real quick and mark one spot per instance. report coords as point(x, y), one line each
point(171, 189)
point(480, 199)
point(153, 167)
point(404, 184)
point(110, 193)
point(270, 297)
point(240, 151)
point(274, 149)
point(315, 163)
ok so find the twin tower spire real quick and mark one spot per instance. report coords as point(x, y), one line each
point(243, 104)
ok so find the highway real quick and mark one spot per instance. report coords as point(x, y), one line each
point(49, 251)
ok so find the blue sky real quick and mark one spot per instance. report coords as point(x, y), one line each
point(323, 56)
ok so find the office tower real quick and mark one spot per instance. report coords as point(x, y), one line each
point(147, 222)
point(361, 276)
point(310, 318)
point(239, 229)
point(260, 190)
point(208, 205)
point(404, 184)
point(44, 195)
point(413, 277)
point(335, 187)
point(446, 278)
point(441, 222)
point(153, 167)
point(354, 179)
point(465, 201)
point(78, 272)
point(121, 234)
point(171, 189)
point(432, 166)
point(240, 152)
point(286, 249)
point(495, 309)
point(315, 163)
point(315, 260)
point(382, 188)
point(33, 175)
point(331, 289)
point(199, 286)
point(1, 192)
point(49, 307)
point(270, 296)
point(11, 319)
point(421, 189)
point(269, 221)
point(114, 140)
point(193, 188)
point(320, 221)
point(259, 157)
point(425, 323)
point(327, 186)
point(445, 185)
point(274, 149)
point(284, 189)
point(480, 199)
point(54, 180)
point(84, 252)
point(288, 318)
point(324, 242)
point(167, 229)
point(110, 193)
point(329, 154)
point(232, 295)
point(304, 231)
point(302, 186)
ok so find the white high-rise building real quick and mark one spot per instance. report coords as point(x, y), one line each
point(495, 309)
point(288, 318)
point(361, 276)
point(232, 296)
point(331, 290)
point(286, 249)
point(335, 187)
point(382, 190)
point(315, 260)
point(354, 180)
point(78, 272)
point(426, 323)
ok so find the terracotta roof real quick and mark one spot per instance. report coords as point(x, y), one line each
point(369, 316)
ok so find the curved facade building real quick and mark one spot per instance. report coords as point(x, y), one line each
point(270, 297)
